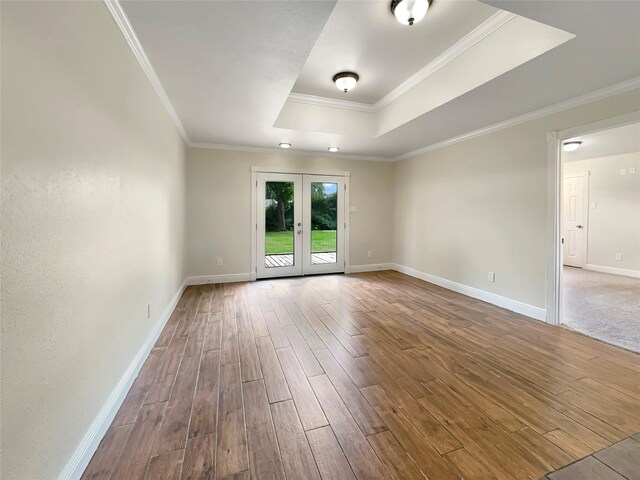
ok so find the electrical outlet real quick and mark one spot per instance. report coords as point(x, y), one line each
point(492, 276)
point(594, 205)
point(219, 262)
point(369, 253)
point(148, 311)
point(619, 257)
point(623, 171)
point(632, 171)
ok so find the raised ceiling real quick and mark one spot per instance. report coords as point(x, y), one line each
point(363, 37)
point(231, 68)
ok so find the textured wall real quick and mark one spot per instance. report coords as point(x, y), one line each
point(92, 224)
point(481, 205)
point(219, 207)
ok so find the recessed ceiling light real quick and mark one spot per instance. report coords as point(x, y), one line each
point(345, 81)
point(408, 12)
point(285, 145)
point(571, 146)
point(333, 149)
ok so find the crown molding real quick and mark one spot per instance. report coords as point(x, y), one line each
point(527, 117)
point(331, 102)
point(116, 11)
point(280, 151)
point(482, 31)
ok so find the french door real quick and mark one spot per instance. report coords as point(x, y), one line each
point(300, 224)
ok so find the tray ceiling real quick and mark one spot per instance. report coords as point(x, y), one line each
point(235, 71)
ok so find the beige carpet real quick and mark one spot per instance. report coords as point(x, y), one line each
point(603, 306)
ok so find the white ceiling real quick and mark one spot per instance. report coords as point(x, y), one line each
point(362, 36)
point(228, 67)
point(606, 143)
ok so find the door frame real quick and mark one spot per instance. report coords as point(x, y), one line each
point(301, 171)
point(298, 251)
point(554, 204)
point(585, 215)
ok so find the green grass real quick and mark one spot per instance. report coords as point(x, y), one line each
point(282, 242)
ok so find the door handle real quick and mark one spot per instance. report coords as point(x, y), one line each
point(578, 226)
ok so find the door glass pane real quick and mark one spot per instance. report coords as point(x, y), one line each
point(279, 228)
point(324, 219)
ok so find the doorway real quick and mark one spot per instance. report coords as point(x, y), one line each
point(595, 282)
point(300, 224)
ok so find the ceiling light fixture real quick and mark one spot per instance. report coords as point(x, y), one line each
point(333, 149)
point(285, 145)
point(408, 12)
point(571, 146)
point(345, 81)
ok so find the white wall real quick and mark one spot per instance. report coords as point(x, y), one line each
point(481, 205)
point(219, 207)
point(93, 187)
point(614, 225)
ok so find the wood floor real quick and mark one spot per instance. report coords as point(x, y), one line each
point(365, 376)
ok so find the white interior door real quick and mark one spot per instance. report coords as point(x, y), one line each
point(323, 218)
point(279, 225)
point(574, 219)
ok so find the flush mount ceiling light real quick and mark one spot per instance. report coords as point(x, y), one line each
point(333, 149)
point(345, 81)
point(408, 12)
point(285, 145)
point(571, 146)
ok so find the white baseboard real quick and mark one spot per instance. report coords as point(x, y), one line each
point(612, 270)
point(89, 444)
point(229, 278)
point(373, 267)
point(495, 299)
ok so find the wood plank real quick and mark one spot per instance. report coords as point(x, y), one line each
point(361, 457)
point(307, 360)
point(162, 385)
point(205, 401)
point(173, 434)
point(569, 444)
point(363, 413)
point(328, 455)
point(275, 383)
point(297, 458)
point(306, 403)
point(264, 457)
point(231, 456)
point(394, 457)
point(249, 360)
point(167, 466)
point(136, 453)
point(199, 460)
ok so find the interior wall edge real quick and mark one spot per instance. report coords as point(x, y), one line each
point(91, 440)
